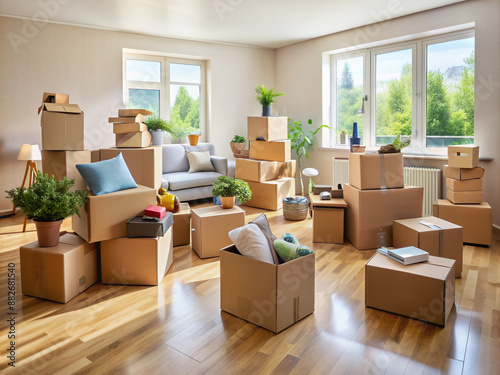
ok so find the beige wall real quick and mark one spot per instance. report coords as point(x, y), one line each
point(303, 98)
point(87, 64)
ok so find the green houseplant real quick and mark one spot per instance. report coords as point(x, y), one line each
point(157, 127)
point(227, 188)
point(266, 98)
point(238, 144)
point(48, 202)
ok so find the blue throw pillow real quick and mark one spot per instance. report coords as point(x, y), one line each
point(107, 176)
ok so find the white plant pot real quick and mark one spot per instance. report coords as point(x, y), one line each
point(157, 137)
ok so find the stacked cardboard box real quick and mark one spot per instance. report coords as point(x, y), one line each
point(129, 128)
point(464, 185)
point(375, 197)
point(270, 171)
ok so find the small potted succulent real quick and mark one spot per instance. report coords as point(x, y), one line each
point(266, 98)
point(238, 144)
point(157, 127)
point(48, 202)
point(227, 188)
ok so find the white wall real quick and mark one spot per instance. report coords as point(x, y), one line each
point(87, 64)
point(299, 75)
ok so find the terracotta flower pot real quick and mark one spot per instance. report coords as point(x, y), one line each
point(48, 232)
point(193, 139)
point(227, 202)
point(236, 147)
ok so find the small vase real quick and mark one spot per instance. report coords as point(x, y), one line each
point(48, 232)
point(227, 202)
point(267, 110)
point(157, 137)
point(236, 147)
point(193, 139)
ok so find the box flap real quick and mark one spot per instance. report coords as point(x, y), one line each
point(416, 225)
point(63, 108)
point(435, 267)
point(50, 97)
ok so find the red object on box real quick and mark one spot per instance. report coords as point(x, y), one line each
point(155, 211)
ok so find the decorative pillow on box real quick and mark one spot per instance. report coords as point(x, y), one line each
point(262, 222)
point(251, 242)
point(199, 161)
point(288, 248)
point(107, 176)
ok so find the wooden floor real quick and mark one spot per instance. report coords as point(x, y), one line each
point(178, 327)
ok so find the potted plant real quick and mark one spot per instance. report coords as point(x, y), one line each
point(48, 202)
point(194, 136)
point(157, 127)
point(266, 98)
point(237, 144)
point(227, 188)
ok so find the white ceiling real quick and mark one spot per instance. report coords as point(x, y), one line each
point(264, 23)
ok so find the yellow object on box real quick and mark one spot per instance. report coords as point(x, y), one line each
point(167, 200)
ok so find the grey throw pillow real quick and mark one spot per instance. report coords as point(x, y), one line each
point(199, 161)
point(262, 222)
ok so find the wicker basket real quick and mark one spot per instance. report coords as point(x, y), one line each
point(295, 208)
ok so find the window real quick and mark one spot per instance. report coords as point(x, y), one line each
point(172, 88)
point(423, 89)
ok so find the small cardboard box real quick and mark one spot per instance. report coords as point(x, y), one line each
point(211, 226)
point(138, 227)
point(464, 156)
point(475, 219)
point(376, 171)
point(138, 139)
point(133, 112)
point(328, 219)
point(423, 291)
point(463, 173)
point(272, 151)
point(58, 273)
point(62, 127)
point(261, 170)
point(145, 164)
point(370, 213)
point(131, 127)
point(271, 296)
point(95, 155)
point(321, 188)
point(127, 119)
point(136, 261)
point(105, 216)
point(465, 185)
point(51, 97)
point(443, 239)
point(464, 197)
point(62, 163)
point(182, 225)
point(270, 194)
point(272, 128)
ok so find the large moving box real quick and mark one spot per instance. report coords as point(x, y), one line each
point(424, 291)
point(182, 225)
point(436, 236)
point(264, 170)
point(63, 163)
point(272, 128)
point(376, 171)
point(62, 127)
point(474, 218)
point(463, 156)
point(145, 164)
point(136, 261)
point(370, 213)
point(272, 151)
point(58, 273)
point(271, 296)
point(105, 216)
point(270, 194)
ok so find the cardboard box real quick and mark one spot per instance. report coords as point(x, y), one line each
point(105, 216)
point(95, 155)
point(465, 185)
point(127, 119)
point(464, 156)
point(423, 291)
point(272, 128)
point(475, 219)
point(136, 261)
point(138, 227)
point(376, 171)
point(132, 112)
point(463, 173)
point(63, 163)
point(464, 197)
point(51, 97)
point(446, 242)
point(271, 296)
point(211, 226)
point(139, 139)
point(132, 127)
point(328, 219)
point(270, 194)
point(62, 127)
point(58, 273)
point(370, 213)
point(321, 188)
point(182, 225)
point(260, 170)
point(145, 164)
point(272, 151)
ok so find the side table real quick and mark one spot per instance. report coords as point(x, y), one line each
point(328, 219)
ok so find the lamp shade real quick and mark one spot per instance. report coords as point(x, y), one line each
point(310, 172)
point(29, 152)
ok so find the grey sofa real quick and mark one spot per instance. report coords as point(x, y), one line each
point(189, 186)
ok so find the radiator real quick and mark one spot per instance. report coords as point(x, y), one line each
point(428, 178)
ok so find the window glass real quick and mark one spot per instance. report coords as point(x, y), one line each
point(185, 73)
point(143, 98)
point(185, 107)
point(143, 71)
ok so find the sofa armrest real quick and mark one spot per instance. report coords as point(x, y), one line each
point(220, 164)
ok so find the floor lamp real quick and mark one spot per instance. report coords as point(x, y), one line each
point(29, 153)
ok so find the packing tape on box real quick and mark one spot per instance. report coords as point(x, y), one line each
point(382, 174)
point(435, 227)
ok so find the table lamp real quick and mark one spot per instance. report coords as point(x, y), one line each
point(309, 173)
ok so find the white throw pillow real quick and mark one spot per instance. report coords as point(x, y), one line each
point(199, 161)
point(251, 242)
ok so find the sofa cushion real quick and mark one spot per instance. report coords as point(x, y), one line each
point(184, 180)
point(199, 161)
point(174, 159)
